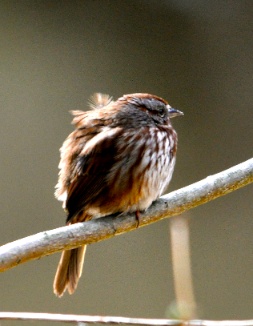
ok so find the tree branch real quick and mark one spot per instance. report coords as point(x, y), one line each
point(174, 203)
point(119, 320)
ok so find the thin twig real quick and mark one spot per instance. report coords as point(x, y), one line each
point(118, 320)
point(184, 306)
point(175, 203)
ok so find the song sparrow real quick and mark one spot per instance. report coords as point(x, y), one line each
point(120, 158)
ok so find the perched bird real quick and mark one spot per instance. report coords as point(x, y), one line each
point(119, 158)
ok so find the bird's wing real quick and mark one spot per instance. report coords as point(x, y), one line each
point(91, 170)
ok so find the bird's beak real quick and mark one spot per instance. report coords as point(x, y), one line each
point(173, 112)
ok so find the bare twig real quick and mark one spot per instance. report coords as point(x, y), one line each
point(184, 306)
point(118, 320)
point(176, 202)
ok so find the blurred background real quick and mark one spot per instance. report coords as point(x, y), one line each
point(196, 54)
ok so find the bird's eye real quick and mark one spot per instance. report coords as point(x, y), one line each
point(161, 114)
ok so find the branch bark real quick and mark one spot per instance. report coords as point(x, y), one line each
point(119, 320)
point(68, 237)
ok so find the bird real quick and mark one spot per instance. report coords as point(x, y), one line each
point(119, 159)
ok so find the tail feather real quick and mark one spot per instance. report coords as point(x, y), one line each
point(69, 270)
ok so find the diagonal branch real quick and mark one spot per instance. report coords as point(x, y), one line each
point(174, 203)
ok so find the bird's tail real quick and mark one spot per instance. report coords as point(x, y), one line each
point(69, 270)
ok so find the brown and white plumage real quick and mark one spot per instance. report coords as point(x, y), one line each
point(119, 158)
